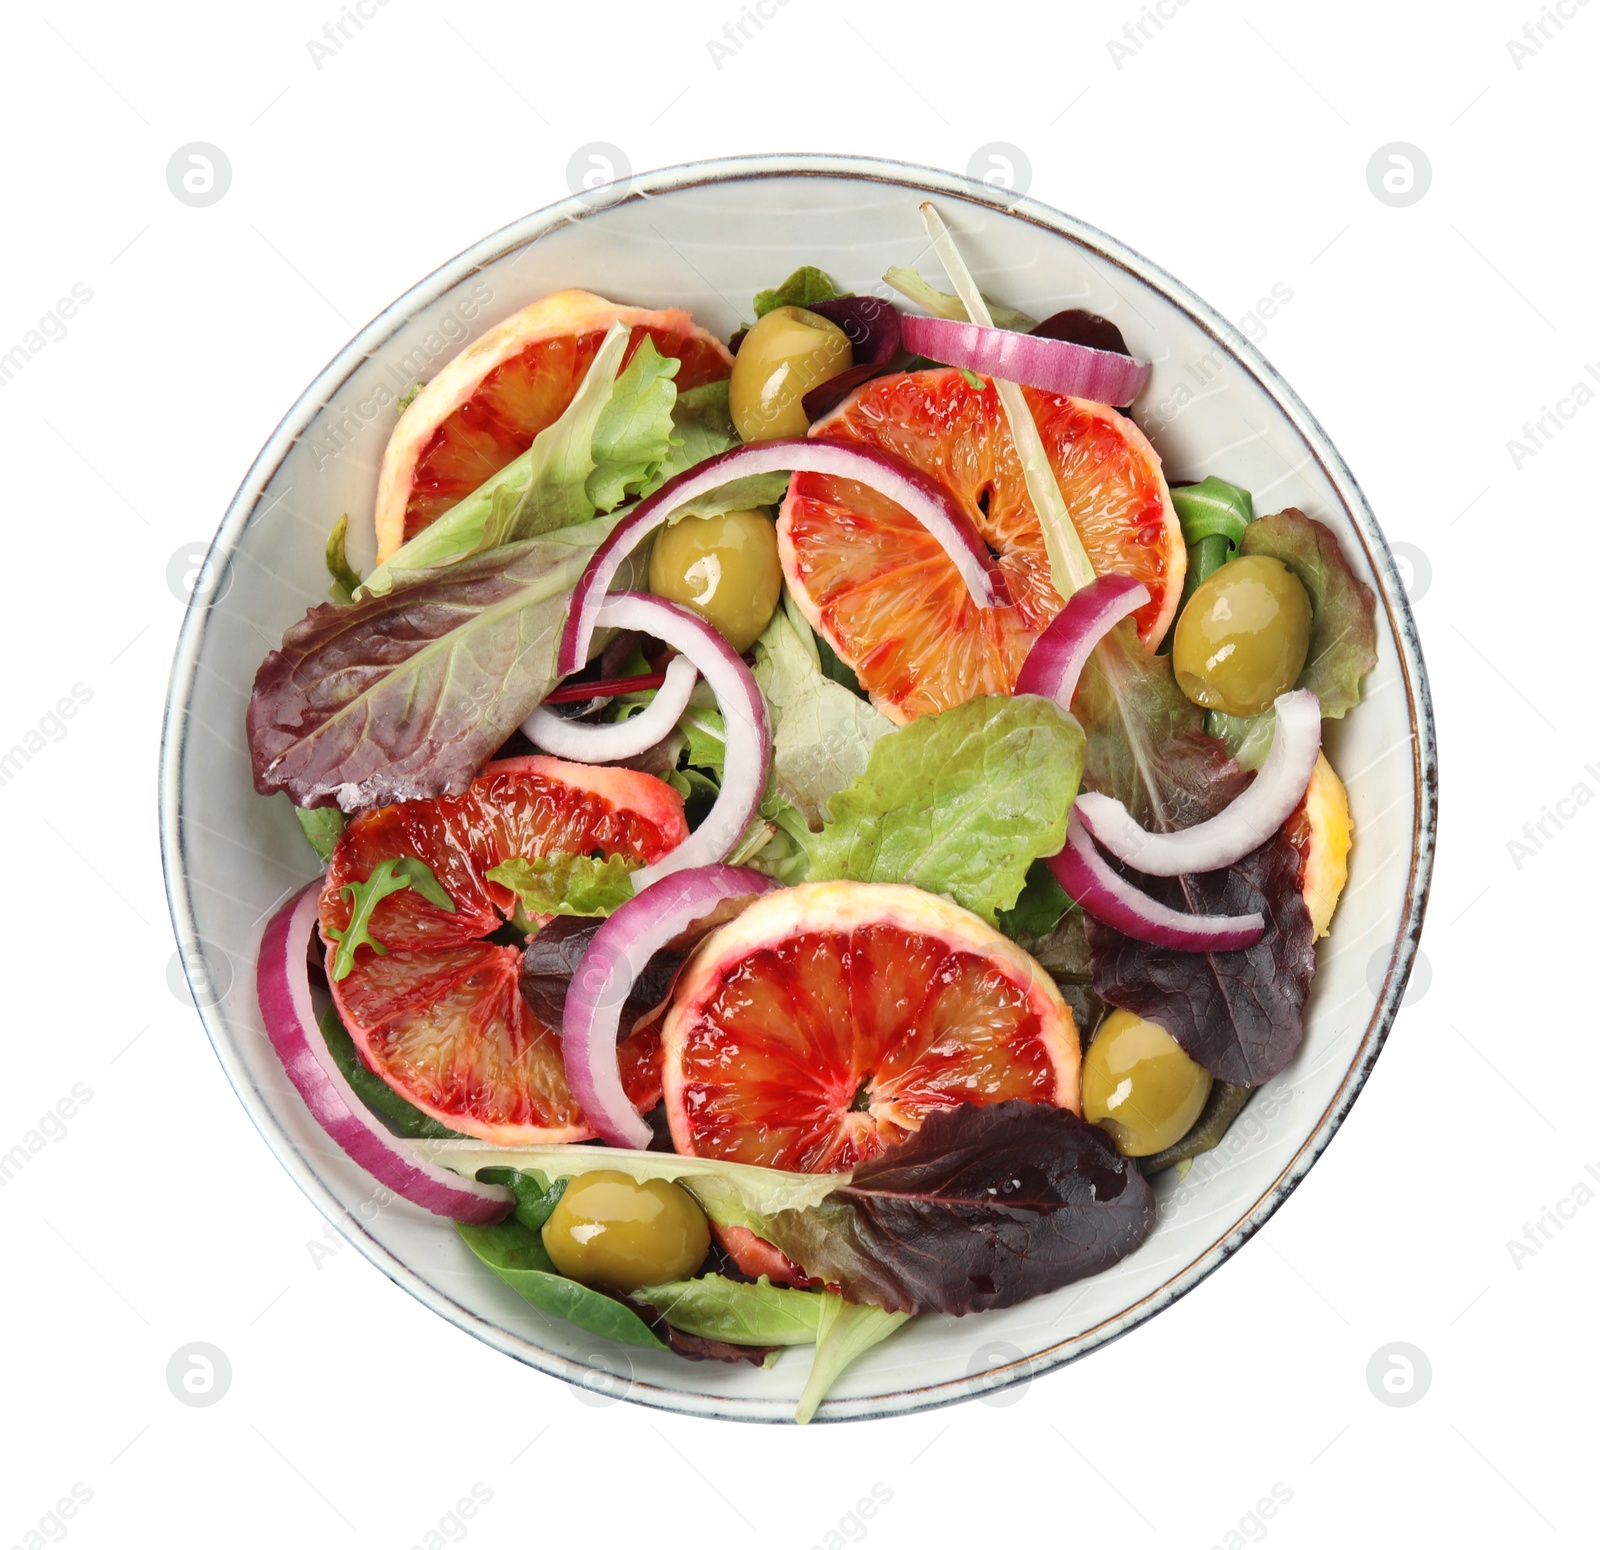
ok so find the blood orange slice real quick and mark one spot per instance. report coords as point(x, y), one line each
point(485, 407)
point(826, 1021)
point(1321, 830)
point(875, 583)
point(439, 1016)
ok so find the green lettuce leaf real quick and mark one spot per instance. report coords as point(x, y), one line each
point(740, 1312)
point(633, 434)
point(1344, 623)
point(822, 733)
point(344, 575)
point(565, 884)
point(806, 285)
point(961, 803)
point(848, 1330)
point(322, 827)
point(702, 426)
point(736, 495)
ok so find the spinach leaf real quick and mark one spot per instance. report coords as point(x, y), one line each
point(1344, 623)
point(961, 802)
point(372, 1090)
point(1039, 907)
point(322, 827)
point(517, 1255)
point(403, 697)
point(536, 1196)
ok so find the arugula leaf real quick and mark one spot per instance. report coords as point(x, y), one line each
point(401, 698)
point(517, 1255)
point(345, 578)
point(562, 883)
point(941, 304)
point(401, 1117)
point(385, 878)
point(322, 827)
point(806, 285)
point(740, 1312)
point(848, 1330)
point(822, 734)
point(983, 1207)
point(1344, 626)
point(960, 802)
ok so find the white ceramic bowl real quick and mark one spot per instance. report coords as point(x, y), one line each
point(707, 236)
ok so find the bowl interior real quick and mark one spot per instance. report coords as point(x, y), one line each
point(707, 237)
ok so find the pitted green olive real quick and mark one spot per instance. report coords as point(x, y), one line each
point(622, 1232)
point(783, 356)
point(1241, 640)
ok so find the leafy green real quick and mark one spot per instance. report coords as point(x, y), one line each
point(401, 1117)
point(961, 802)
point(941, 304)
point(1213, 515)
point(345, 577)
point(408, 398)
point(1247, 738)
point(806, 285)
point(1223, 1107)
point(1039, 907)
point(822, 733)
point(740, 1312)
point(322, 827)
point(847, 1330)
point(386, 877)
point(562, 883)
point(1344, 625)
point(702, 426)
point(536, 1196)
point(404, 697)
point(736, 495)
point(516, 1254)
point(705, 732)
point(632, 435)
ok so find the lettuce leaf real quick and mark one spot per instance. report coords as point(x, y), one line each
point(403, 697)
point(702, 426)
point(633, 433)
point(847, 1330)
point(1344, 622)
point(961, 802)
point(941, 304)
point(806, 285)
point(740, 1312)
point(562, 883)
point(822, 734)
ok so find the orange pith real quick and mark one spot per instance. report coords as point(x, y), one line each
point(826, 1021)
point(439, 1016)
point(1320, 829)
point(876, 583)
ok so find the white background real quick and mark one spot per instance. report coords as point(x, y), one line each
point(1232, 147)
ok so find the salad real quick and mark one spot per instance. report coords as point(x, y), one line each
point(811, 825)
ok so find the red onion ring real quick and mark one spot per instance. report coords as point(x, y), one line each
point(1056, 659)
point(1247, 822)
point(744, 714)
point(614, 959)
point(1111, 898)
point(283, 987)
point(1052, 365)
point(925, 500)
point(605, 742)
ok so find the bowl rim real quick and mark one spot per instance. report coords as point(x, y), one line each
point(927, 181)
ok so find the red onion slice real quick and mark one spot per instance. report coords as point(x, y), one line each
point(1056, 659)
point(1083, 872)
point(925, 500)
point(1053, 365)
point(744, 715)
point(283, 988)
point(590, 1024)
point(1245, 823)
point(592, 743)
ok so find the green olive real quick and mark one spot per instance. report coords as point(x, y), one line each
point(617, 1231)
point(784, 355)
point(725, 568)
point(1139, 1086)
point(1242, 637)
